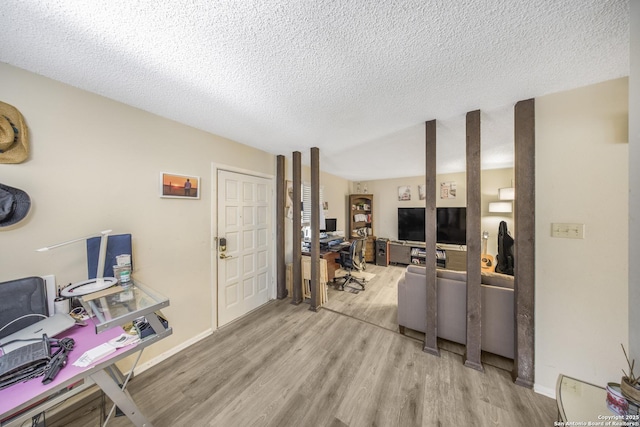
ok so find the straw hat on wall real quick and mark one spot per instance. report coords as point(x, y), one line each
point(14, 144)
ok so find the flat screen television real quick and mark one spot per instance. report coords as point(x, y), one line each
point(411, 224)
point(451, 224)
point(330, 224)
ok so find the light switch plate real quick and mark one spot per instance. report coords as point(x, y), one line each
point(567, 230)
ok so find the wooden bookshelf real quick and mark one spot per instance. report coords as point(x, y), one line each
point(361, 222)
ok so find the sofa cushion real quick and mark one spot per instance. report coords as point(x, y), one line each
point(452, 274)
point(488, 278)
point(497, 291)
point(416, 269)
point(497, 279)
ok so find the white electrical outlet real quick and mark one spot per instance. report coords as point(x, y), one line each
point(567, 230)
point(52, 291)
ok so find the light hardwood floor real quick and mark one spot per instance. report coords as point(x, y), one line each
point(377, 304)
point(284, 365)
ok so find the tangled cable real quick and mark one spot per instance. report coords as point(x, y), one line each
point(58, 359)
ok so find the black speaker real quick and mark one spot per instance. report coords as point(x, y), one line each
point(382, 252)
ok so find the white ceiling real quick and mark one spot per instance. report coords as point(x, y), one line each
point(355, 78)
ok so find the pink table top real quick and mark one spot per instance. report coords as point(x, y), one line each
point(33, 390)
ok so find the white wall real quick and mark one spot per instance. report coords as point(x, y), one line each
point(582, 285)
point(95, 165)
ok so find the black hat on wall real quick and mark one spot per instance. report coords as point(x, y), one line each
point(14, 205)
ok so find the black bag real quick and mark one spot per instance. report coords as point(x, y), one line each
point(505, 251)
point(24, 363)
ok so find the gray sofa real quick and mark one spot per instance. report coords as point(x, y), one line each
point(497, 307)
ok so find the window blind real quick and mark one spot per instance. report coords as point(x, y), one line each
point(306, 205)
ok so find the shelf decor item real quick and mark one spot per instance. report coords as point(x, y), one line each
point(616, 402)
point(630, 384)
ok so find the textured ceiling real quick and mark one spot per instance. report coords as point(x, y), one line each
point(355, 78)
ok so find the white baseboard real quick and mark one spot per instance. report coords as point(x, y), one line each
point(167, 354)
point(545, 391)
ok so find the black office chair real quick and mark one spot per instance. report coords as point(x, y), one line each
point(24, 299)
point(353, 259)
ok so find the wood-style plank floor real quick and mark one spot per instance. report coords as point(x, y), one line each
point(284, 365)
point(377, 304)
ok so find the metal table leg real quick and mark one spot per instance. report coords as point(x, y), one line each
point(120, 398)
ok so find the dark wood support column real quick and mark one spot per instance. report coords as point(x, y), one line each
point(281, 267)
point(431, 320)
point(315, 228)
point(524, 242)
point(296, 271)
point(474, 212)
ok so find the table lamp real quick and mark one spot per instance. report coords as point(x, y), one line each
point(91, 285)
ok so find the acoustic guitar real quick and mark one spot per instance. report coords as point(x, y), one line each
point(486, 259)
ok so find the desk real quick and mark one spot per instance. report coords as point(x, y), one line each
point(586, 404)
point(331, 257)
point(21, 401)
point(580, 401)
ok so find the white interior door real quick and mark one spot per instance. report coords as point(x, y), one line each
point(244, 220)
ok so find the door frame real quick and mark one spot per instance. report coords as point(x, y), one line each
point(213, 246)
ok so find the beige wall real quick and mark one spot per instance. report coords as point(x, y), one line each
point(582, 285)
point(581, 176)
point(386, 203)
point(634, 177)
point(335, 192)
point(95, 165)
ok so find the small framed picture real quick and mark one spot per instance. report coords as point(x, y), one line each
point(448, 190)
point(404, 193)
point(177, 186)
point(288, 200)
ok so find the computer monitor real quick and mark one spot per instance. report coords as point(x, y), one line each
point(330, 224)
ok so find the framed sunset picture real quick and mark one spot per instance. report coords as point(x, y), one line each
point(179, 186)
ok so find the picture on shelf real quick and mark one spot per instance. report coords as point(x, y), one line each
point(422, 192)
